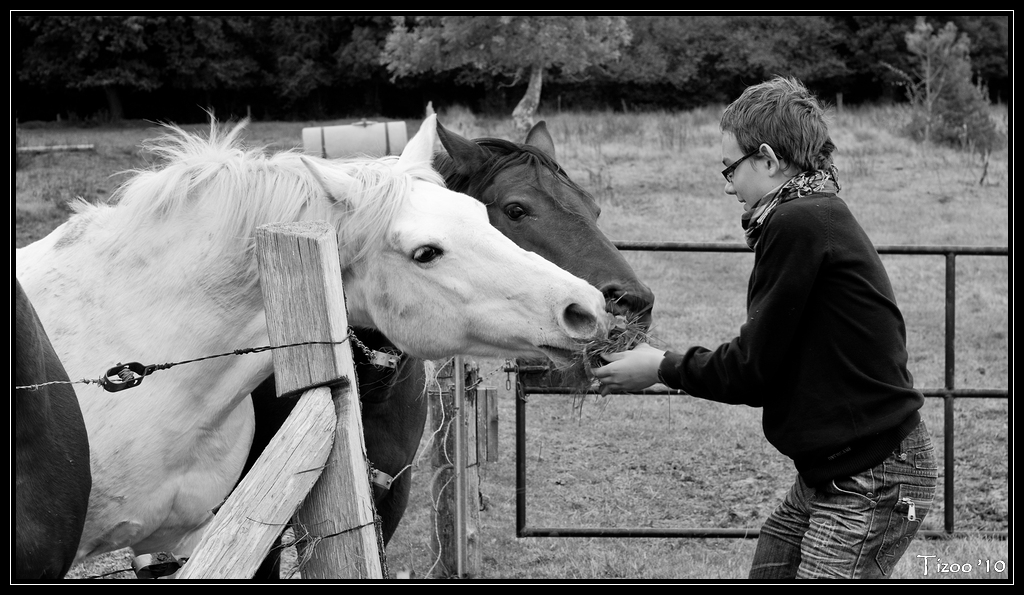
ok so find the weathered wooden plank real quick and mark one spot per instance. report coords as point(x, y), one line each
point(54, 148)
point(487, 424)
point(258, 510)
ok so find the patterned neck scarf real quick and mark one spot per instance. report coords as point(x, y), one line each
point(802, 184)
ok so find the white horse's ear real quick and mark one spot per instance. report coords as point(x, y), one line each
point(337, 188)
point(420, 148)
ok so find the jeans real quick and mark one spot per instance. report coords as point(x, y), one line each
point(854, 527)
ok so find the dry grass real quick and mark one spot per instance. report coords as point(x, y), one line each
point(626, 333)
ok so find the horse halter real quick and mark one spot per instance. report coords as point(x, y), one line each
point(379, 359)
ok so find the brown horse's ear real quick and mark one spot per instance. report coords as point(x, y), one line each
point(467, 156)
point(539, 137)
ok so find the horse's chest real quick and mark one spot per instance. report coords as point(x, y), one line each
point(152, 488)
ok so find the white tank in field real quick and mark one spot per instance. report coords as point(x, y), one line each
point(372, 139)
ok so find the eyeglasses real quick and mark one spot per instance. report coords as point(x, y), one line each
point(728, 172)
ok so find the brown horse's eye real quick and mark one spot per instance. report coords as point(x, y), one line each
point(515, 212)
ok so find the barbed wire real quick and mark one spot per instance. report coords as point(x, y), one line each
point(134, 372)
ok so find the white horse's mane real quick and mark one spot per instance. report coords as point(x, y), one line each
point(245, 187)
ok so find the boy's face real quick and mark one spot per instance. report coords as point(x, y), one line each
point(752, 179)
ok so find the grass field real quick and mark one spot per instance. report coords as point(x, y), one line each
point(674, 461)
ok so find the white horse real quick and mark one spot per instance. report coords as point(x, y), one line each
point(167, 272)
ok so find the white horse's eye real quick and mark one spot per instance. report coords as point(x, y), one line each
point(426, 254)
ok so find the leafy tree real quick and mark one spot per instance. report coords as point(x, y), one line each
point(178, 55)
point(990, 56)
point(869, 42)
point(669, 56)
point(109, 53)
point(797, 46)
point(693, 60)
point(866, 42)
point(164, 64)
point(517, 47)
point(950, 108)
point(936, 56)
point(316, 55)
point(304, 47)
point(208, 53)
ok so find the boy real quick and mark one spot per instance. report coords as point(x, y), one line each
point(822, 351)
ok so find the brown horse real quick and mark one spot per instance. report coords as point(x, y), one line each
point(51, 454)
point(531, 200)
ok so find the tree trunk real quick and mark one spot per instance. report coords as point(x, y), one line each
point(114, 103)
point(522, 116)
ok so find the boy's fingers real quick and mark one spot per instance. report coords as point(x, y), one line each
point(601, 373)
point(613, 357)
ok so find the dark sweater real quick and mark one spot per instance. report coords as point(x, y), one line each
point(823, 349)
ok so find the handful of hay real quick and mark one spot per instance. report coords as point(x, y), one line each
point(626, 334)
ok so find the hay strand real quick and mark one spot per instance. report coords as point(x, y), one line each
point(626, 333)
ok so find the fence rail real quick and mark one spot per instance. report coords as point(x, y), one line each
point(949, 393)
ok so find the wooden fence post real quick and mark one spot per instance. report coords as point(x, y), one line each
point(444, 516)
point(300, 278)
point(455, 490)
point(468, 414)
point(300, 274)
point(487, 425)
point(455, 496)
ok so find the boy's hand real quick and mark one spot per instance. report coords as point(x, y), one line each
point(629, 370)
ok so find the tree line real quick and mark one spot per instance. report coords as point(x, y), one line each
point(167, 66)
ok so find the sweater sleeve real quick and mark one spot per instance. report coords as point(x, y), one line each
point(786, 261)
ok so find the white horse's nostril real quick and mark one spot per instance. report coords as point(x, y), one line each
point(584, 323)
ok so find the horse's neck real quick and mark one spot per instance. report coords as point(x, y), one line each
point(155, 301)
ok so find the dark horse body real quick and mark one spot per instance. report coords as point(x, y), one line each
point(51, 449)
point(531, 200)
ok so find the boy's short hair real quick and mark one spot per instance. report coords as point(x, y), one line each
point(784, 114)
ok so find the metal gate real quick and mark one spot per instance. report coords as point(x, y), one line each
point(538, 378)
